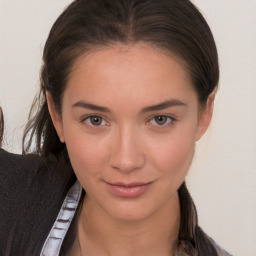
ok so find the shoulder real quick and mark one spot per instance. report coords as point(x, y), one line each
point(21, 175)
point(207, 246)
point(31, 193)
point(219, 249)
point(30, 173)
point(23, 166)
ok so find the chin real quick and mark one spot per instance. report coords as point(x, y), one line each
point(130, 216)
point(131, 210)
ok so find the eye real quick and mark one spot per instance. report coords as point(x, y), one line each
point(95, 121)
point(162, 120)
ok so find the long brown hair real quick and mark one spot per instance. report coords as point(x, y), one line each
point(175, 26)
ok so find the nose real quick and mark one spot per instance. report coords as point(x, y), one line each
point(127, 151)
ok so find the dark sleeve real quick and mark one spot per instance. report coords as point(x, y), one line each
point(31, 194)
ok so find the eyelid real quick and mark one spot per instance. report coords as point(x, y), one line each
point(87, 117)
point(172, 120)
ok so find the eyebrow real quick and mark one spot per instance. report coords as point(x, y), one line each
point(160, 106)
point(163, 105)
point(83, 104)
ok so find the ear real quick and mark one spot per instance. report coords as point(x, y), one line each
point(56, 118)
point(205, 117)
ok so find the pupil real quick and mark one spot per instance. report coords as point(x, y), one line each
point(96, 120)
point(160, 119)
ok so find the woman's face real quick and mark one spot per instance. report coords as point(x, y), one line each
point(130, 119)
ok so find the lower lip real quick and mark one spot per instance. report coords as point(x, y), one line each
point(128, 192)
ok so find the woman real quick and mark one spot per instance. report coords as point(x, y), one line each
point(127, 88)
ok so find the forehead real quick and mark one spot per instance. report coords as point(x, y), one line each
point(133, 72)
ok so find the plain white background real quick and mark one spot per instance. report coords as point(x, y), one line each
point(222, 179)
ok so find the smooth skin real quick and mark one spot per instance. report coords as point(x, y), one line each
point(130, 114)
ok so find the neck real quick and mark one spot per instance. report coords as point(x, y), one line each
point(100, 234)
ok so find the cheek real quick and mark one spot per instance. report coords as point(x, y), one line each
point(174, 162)
point(173, 155)
point(87, 154)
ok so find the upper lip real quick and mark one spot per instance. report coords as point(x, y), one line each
point(131, 184)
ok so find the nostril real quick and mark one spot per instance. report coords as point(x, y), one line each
point(127, 152)
point(128, 163)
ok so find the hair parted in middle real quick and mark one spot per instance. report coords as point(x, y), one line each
point(174, 26)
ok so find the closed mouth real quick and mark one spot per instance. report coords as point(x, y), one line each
point(128, 185)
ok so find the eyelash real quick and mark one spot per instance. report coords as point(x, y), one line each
point(88, 118)
point(170, 121)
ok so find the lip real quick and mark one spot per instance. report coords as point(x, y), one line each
point(128, 190)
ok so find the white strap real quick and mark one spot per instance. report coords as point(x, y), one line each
point(59, 229)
